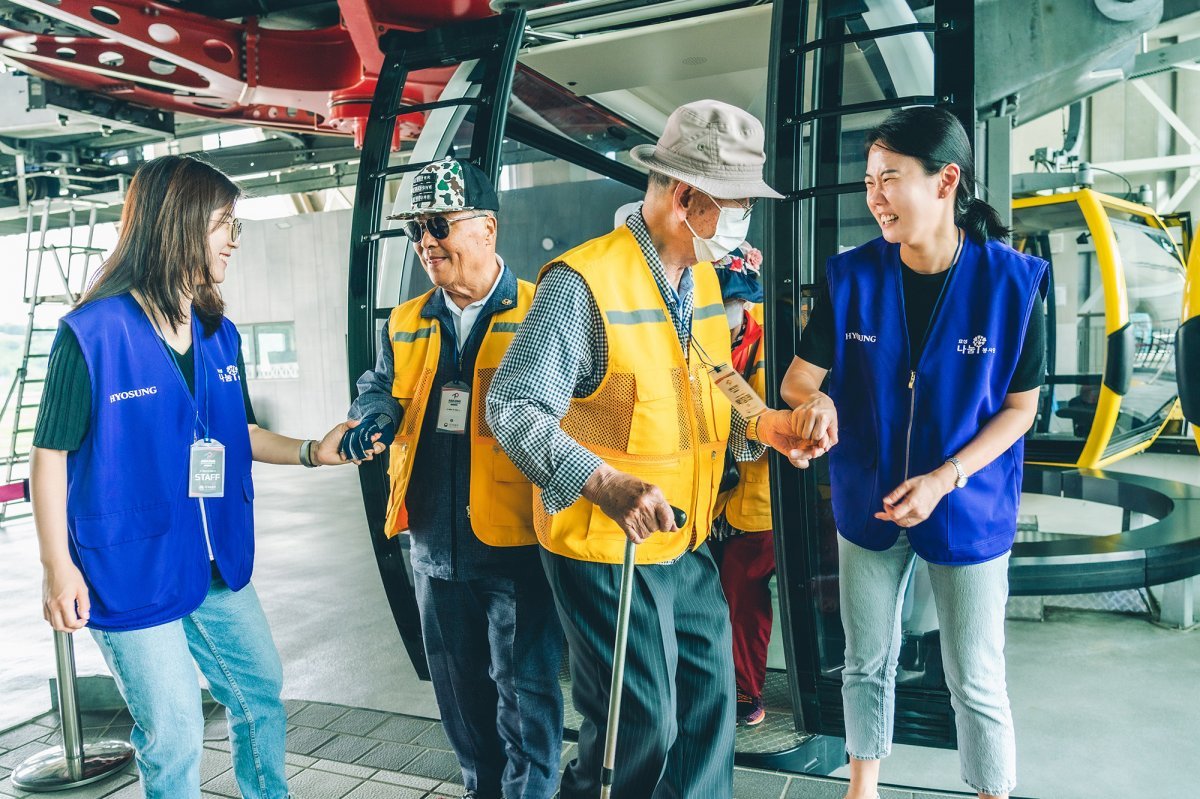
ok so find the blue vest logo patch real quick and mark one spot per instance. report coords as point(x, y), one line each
point(132, 394)
point(975, 346)
point(852, 336)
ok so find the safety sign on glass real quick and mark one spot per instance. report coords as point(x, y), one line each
point(735, 388)
point(206, 469)
point(452, 414)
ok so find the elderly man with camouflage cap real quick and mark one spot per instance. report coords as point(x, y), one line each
point(491, 636)
point(605, 401)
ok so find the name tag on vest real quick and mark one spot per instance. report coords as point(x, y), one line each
point(206, 469)
point(452, 412)
point(745, 401)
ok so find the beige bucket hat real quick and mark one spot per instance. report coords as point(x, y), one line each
point(714, 146)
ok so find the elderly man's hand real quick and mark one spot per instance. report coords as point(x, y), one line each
point(776, 429)
point(637, 506)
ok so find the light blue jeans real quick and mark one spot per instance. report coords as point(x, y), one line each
point(970, 606)
point(155, 669)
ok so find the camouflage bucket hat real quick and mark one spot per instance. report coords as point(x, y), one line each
point(450, 185)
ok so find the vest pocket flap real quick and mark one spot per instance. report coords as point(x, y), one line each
point(107, 529)
point(505, 471)
point(654, 384)
point(404, 385)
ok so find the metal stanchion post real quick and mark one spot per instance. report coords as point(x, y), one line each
point(74, 763)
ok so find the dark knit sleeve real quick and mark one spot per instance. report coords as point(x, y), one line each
point(66, 407)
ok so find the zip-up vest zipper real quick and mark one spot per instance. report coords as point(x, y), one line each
point(912, 375)
point(454, 471)
point(912, 409)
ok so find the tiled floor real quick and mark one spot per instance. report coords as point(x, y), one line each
point(338, 752)
point(1096, 696)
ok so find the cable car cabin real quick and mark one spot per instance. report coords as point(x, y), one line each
point(1112, 312)
point(1187, 345)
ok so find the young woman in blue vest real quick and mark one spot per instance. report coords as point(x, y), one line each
point(933, 339)
point(144, 394)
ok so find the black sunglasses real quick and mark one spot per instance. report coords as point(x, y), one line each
point(438, 226)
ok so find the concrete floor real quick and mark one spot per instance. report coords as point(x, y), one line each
point(1105, 705)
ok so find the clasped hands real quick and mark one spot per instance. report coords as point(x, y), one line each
point(806, 432)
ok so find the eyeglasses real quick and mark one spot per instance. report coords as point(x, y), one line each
point(746, 207)
point(235, 228)
point(438, 226)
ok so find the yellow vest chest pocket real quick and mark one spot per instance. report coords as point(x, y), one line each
point(655, 426)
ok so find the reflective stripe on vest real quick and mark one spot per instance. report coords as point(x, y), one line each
point(654, 414)
point(501, 502)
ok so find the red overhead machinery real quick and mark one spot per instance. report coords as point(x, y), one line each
point(153, 54)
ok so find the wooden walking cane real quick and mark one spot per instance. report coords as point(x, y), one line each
point(618, 672)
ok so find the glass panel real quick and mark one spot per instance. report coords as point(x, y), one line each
point(1075, 338)
point(276, 349)
point(1154, 279)
point(543, 103)
point(248, 354)
point(848, 16)
point(872, 70)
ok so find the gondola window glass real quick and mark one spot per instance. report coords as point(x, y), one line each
point(1154, 279)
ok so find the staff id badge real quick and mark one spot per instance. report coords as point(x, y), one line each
point(452, 411)
point(735, 388)
point(206, 469)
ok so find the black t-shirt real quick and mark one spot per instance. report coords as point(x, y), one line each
point(921, 294)
point(66, 407)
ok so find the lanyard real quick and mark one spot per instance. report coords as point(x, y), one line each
point(175, 370)
point(700, 353)
point(937, 305)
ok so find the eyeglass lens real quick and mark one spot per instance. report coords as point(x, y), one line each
point(438, 227)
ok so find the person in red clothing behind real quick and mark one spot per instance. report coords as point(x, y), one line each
point(741, 540)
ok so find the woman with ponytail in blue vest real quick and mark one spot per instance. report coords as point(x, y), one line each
point(933, 339)
point(142, 491)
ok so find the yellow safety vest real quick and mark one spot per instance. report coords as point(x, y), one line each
point(748, 506)
point(655, 413)
point(501, 501)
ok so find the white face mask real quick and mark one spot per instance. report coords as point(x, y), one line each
point(732, 226)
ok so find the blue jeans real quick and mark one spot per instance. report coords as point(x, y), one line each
point(970, 604)
point(494, 647)
point(155, 669)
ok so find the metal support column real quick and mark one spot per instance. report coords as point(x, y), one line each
point(74, 763)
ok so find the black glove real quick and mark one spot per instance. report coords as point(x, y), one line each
point(357, 444)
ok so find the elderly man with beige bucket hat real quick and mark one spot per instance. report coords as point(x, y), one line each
point(607, 401)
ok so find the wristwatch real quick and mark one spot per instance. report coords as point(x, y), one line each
point(961, 480)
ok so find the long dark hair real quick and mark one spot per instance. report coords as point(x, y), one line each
point(936, 138)
point(162, 247)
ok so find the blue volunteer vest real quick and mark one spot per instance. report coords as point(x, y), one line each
point(888, 431)
point(134, 532)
